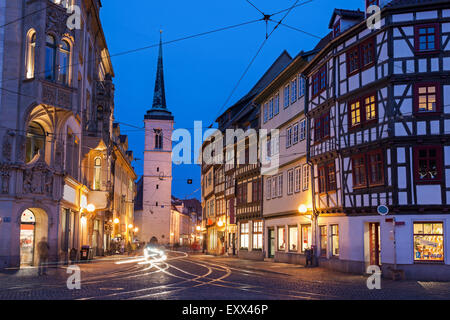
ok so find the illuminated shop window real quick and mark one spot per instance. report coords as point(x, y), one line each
point(429, 242)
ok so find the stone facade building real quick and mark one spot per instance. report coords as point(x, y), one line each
point(56, 118)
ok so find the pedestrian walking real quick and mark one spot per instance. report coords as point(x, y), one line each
point(43, 249)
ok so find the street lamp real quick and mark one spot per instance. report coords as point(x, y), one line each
point(302, 209)
point(130, 226)
point(220, 224)
point(90, 208)
point(198, 228)
point(116, 221)
point(136, 229)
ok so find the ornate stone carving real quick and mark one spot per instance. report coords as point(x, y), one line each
point(64, 98)
point(38, 178)
point(57, 20)
point(21, 145)
point(49, 95)
point(7, 147)
point(5, 175)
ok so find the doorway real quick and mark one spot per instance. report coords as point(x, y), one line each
point(271, 244)
point(27, 238)
point(374, 244)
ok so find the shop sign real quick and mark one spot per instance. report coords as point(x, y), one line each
point(383, 210)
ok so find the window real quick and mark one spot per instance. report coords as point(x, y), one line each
point(281, 238)
point(293, 238)
point(428, 164)
point(158, 139)
point(305, 177)
point(367, 53)
point(361, 56)
point(50, 58)
point(427, 38)
point(359, 171)
point(256, 190)
point(289, 137)
point(277, 104)
point(36, 137)
point(63, 3)
point(97, 173)
point(363, 111)
point(427, 98)
point(429, 242)
point(302, 133)
point(353, 60)
point(268, 188)
point(335, 240)
point(280, 185)
point(266, 112)
point(322, 127)
point(274, 188)
point(271, 109)
point(375, 168)
point(298, 179)
point(286, 96)
point(331, 183)
point(368, 169)
point(64, 63)
point(327, 178)
point(319, 81)
point(290, 189)
point(295, 132)
point(257, 234)
point(244, 235)
point(301, 86)
point(355, 114)
point(294, 90)
point(31, 54)
point(306, 237)
point(323, 240)
point(337, 28)
point(72, 154)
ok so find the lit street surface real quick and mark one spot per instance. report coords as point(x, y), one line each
point(200, 277)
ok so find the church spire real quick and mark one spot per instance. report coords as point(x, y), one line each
point(159, 98)
point(159, 108)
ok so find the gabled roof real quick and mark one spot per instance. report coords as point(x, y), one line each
point(346, 14)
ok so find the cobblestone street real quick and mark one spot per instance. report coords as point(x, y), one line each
point(198, 277)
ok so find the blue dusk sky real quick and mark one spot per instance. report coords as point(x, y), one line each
point(200, 73)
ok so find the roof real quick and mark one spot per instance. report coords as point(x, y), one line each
point(346, 14)
point(401, 3)
point(278, 66)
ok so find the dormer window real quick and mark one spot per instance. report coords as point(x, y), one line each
point(337, 28)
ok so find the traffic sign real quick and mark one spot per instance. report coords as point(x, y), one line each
point(383, 210)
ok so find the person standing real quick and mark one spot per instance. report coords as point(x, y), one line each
point(43, 249)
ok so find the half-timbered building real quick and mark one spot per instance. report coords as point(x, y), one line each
point(379, 136)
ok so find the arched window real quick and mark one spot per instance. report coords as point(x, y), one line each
point(158, 139)
point(64, 63)
point(97, 173)
point(31, 54)
point(63, 3)
point(50, 58)
point(35, 140)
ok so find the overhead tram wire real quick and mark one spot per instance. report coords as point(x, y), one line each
point(253, 59)
point(22, 18)
point(152, 46)
point(255, 7)
point(299, 30)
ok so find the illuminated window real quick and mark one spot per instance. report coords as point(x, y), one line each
point(429, 242)
point(281, 238)
point(370, 108)
point(36, 137)
point(306, 237)
point(244, 235)
point(323, 240)
point(427, 98)
point(257, 235)
point(31, 54)
point(335, 240)
point(97, 173)
point(63, 3)
point(355, 114)
point(293, 238)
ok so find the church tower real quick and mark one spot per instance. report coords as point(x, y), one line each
point(157, 179)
